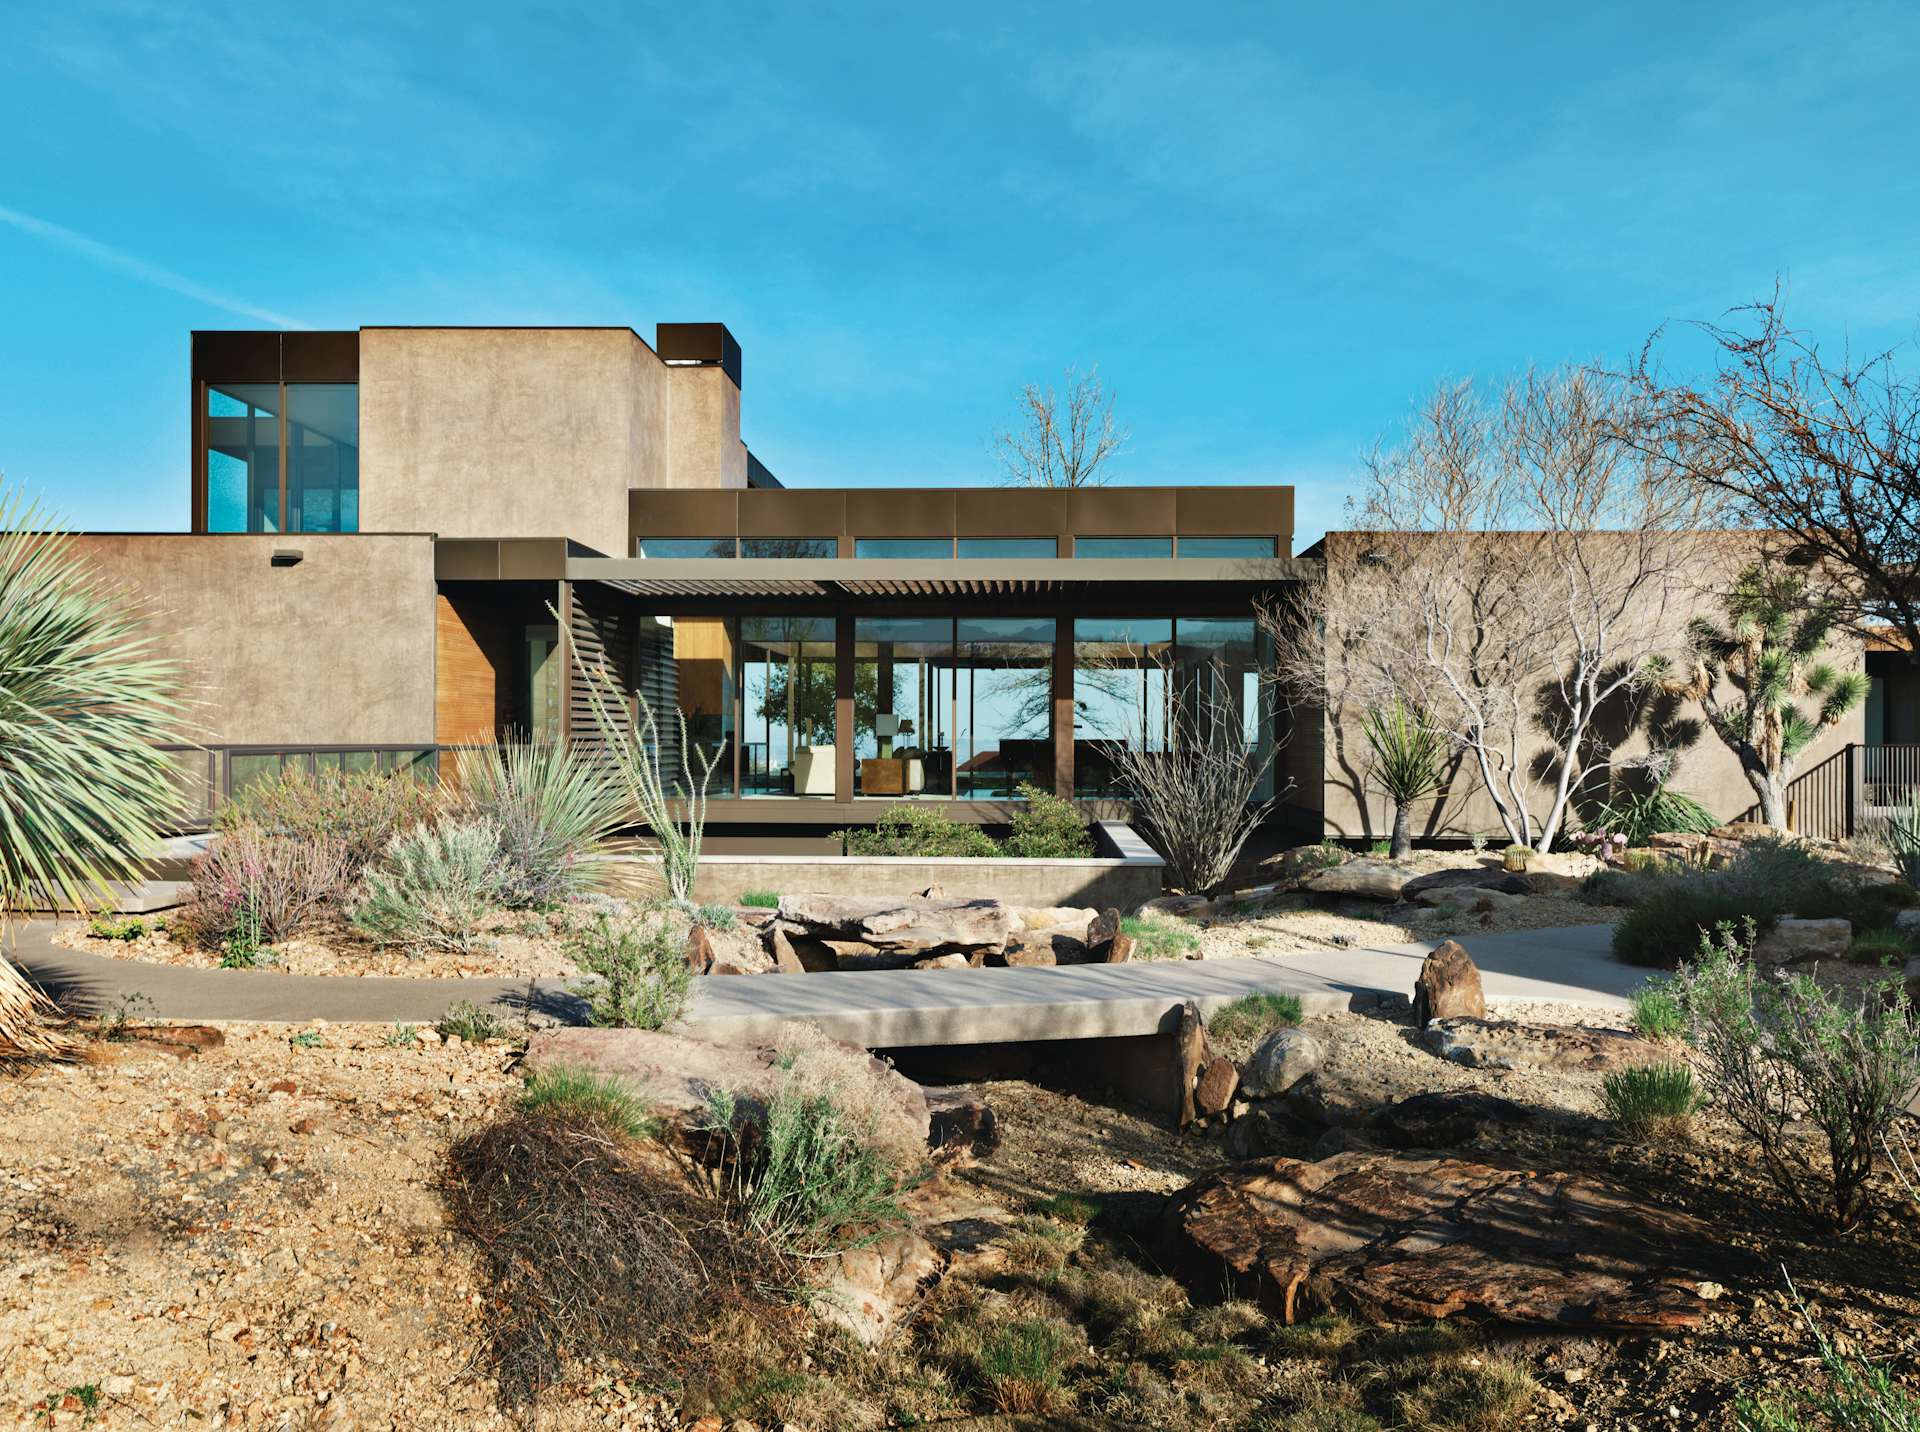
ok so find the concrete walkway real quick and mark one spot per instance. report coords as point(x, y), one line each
point(899, 1008)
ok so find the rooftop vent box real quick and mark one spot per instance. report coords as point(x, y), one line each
point(706, 345)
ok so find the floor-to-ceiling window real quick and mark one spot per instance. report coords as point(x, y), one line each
point(282, 457)
point(1221, 666)
point(1121, 693)
point(323, 457)
point(786, 706)
point(903, 697)
point(243, 457)
point(1003, 724)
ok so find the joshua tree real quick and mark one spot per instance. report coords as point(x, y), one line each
point(85, 700)
point(1062, 443)
point(1769, 653)
point(1409, 758)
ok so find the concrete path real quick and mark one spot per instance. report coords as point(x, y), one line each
point(910, 1007)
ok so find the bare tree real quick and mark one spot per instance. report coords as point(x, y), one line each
point(1821, 455)
point(1516, 570)
point(1062, 443)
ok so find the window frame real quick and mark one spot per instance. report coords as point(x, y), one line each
point(202, 481)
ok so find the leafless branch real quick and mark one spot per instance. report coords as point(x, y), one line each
point(1062, 445)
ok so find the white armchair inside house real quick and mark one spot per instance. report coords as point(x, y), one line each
point(813, 771)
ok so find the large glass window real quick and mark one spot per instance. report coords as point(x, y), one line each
point(670, 547)
point(787, 706)
point(1123, 546)
point(243, 457)
point(1004, 705)
point(1009, 547)
point(1121, 694)
point(1227, 547)
point(903, 706)
point(789, 546)
point(937, 547)
point(1219, 664)
point(323, 457)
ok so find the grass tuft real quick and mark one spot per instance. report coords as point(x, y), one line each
point(1654, 1099)
point(1657, 1013)
point(472, 1023)
point(1159, 937)
point(1253, 1017)
point(761, 899)
point(589, 1097)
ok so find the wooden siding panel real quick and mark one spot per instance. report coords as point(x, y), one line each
point(473, 672)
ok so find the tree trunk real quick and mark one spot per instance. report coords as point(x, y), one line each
point(1773, 802)
point(1402, 830)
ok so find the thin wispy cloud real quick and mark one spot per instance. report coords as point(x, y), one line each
point(138, 268)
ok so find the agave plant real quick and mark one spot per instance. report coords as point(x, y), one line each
point(85, 699)
point(555, 807)
point(1409, 762)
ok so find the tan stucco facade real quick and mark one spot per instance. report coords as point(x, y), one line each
point(513, 432)
point(337, 649)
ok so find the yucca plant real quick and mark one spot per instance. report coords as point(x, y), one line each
point(85, 698)
point(1903, 837)
point(1409, 762)
point(555, 806)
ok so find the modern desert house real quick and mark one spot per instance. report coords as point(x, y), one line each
point(391, 529)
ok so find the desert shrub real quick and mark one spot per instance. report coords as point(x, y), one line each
point(921, 830)
point(361, 811)
point(1652, 1098)
point(590, 1098)
point(261, 885)
point(470, 1022)
point(715, 917)
point(1776, 1051)
point(1902, 838)
point(1657, 1013)
point(760, 899)
point(1667, 924)
point(1639, 818)
point(1879, 947)
point(108, 926)
point(595, 1249)
point(1047, 828)
point(1856, 1395)
point(863, 1087)
point(1159, 937)
point(1252, 1017)
point(433, 887)
point(645, 979)
point(554, 805)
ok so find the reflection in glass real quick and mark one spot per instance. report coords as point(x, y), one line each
point(323, 457)
point(1219, 663)
point(787, 706)
point(1009, 547)
point(1120, 695)
point(1227, 547)
point(789, 546)
point(1123, 546)
point(936, 547)
point(903, 706)
point(243, 457)
point(1004, 701)
point(670, 547)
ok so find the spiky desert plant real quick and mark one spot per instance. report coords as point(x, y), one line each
point(1409, 762)
point(85, 699)
point(1769, 652)
point(555, 807)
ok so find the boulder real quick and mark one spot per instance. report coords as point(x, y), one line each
point(962, 1122)
point(675, 1075)
point(1193, 1053)
point(1102, 930)
point(1907, 922)
point(1448, 986)
point(1262, 1130)
point(1503, 1044)
point(1027, 954)
point(953, 961)
point(901, 923)
point(785, 960)
point(1397, 1238)
point(1358, 879)
point(1057, 917)
point(1477, 899)
point(1791, 940)
point(1444, 1120)
point(1910, 981)
point(1213, 1090)
point(872, 1289)
point(727, 967)
point(1119, 949)
point(699, 949)
point(1281, 1061)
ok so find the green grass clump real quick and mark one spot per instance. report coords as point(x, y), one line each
point(1253, 1017)
point(761, 899)
point(589, 1096)
point(470, 1022)
point(1653, 1098)
point(1657, 1013)
point(1159, 937)
point(1879, 947)
point(716, 917)
point(1022, 1365)
point(106, 926)
point(1069, 1208)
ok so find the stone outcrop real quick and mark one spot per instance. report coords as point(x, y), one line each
point(1503, 1044)
point(1448, 986)
point(675, 1076)
point(1281, 1061)
point(909, 924)
point(699, 949)
point(962, 1122)
point(1791, 941)
point(1445, 1120)
point(1213, 1091)
point(1392, 1237)
point(1358, 879)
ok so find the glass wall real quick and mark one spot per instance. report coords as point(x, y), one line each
point(1120, 695)
point(903, 695)
point(1220, 664)
point(1227, 547)
point(787, 706)
point(243, 457)
point(789, 546)
point(1003, 719)
point(671, 547)
point(1123, 546)
point(1009, 547)
point(323, 457)
point(935, 547)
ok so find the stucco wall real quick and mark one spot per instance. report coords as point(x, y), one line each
point(498, 432)
point(337, 650)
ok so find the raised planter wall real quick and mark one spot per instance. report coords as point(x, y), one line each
point(1125, 873)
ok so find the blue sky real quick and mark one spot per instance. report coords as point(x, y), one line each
point(1270, 226)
